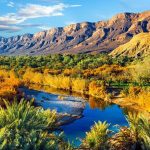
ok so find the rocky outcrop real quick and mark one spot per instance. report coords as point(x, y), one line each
point(86, 37)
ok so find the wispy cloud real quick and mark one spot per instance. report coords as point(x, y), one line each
point(44, 27)
point(36, 11)
point(29, 25)
point(10, 4)
point(9, 28)
point(19, 27)
point(11, 18)
point(74, 5)
point(31, 11)
point(70, 22)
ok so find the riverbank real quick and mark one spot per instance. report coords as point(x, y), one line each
point(125, 103)
point(120, 100)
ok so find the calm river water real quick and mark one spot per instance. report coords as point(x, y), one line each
point(91, 111)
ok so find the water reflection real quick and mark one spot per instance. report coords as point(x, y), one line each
point(97, 103)
point(93, 102)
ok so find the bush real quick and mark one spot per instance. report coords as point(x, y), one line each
point(98, 89)
point(140, 96)
point(24, 127)
point(79, 85)
point(98, 137)
point(57, 81)
point(136, 136)
point(8, 84)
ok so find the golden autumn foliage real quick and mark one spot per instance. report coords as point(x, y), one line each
point(79, 85)
point(97, 89)
point(71, 72)
point(8, 83)
point(108, 72)
point(140, 96)
point(59, 82)
point(136, 97)
point(52, 71)
point(31, 76)
point(56, 81)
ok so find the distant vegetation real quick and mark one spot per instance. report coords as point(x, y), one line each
point(81, 66)
point(58, 61)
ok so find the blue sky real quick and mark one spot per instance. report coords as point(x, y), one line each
point(30, 16)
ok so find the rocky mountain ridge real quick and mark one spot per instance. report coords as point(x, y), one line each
point(86, 37)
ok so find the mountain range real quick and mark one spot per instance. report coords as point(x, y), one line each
point(87, 37)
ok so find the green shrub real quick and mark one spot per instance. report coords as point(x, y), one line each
point(97, 138)
point(25, 127)
point(136, 136)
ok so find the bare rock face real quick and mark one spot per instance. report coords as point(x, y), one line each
point(86, 37)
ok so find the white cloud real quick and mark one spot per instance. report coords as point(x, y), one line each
point(31, 11)
point(44, 27)
point(10, 4)
point(35, 11)
point(11, 18)
point(70, 22)
point(9, 28)
point(15, 28)
point(74, 5)
point(29, 25)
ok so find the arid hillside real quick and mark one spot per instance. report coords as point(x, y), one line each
point(138, 46)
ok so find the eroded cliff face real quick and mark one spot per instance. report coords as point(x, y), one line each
point(86, 37)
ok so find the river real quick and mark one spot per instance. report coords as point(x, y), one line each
point(88, 110)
